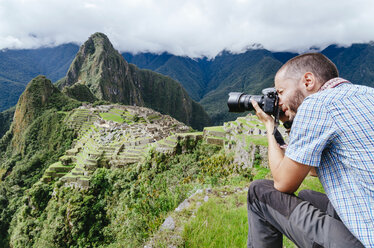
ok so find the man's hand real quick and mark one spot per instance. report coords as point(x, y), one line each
point(287, 174)
point(265, 118)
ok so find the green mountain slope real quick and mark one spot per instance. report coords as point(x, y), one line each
point(109, 77)
point(9, 93)
point(6, 118)
point(18, 67)
point(36, 138)
point(250, 73)
point(190, 73)
point(355, 63)
point(110, 175)
point(211, 80)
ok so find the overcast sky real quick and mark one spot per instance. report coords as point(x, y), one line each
point(190, 27)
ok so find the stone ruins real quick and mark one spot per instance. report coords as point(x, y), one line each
point(114, 136)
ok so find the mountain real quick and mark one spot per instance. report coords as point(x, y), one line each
point(189, 72)
point(204, 79)
point(46, 124)
point(86, 175)
point(6, 118)
point(37, 136)
point(249, 72)
point(210, 81)
point(355, 63)
point(18, 67)
point(98, 68)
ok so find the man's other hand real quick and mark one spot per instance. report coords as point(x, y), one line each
point(265, 118)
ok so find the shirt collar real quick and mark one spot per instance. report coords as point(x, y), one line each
point(333, 83)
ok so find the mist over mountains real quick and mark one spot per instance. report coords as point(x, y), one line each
point(206, 81)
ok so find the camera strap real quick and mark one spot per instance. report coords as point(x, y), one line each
point(276, 116)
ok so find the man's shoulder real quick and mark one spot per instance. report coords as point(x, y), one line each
point(339, 93)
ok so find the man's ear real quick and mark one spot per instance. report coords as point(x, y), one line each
point(310, 82)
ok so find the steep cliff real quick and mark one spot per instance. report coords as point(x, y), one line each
point(37, 137)
point(109, 77)
point(39, 96)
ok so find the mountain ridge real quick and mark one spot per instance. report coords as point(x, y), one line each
point(354, 62)
point(108, 76)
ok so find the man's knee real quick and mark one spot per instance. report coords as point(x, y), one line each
point(263, 191)
point(305, 194)
point(257, 188)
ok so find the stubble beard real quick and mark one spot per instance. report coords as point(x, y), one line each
point(298, 98)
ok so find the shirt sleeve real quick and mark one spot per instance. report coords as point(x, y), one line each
point(312, 132)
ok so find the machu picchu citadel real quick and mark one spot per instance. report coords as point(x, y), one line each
point(114, 136)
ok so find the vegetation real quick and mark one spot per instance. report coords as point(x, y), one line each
point(18, 67)
point(37, 138)
point(80, 92)
point(125, 207)
point(222, 221)
point(122, 206)
point(6, 119)
point(112, 117)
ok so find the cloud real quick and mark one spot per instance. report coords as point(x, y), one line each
point(193, 28)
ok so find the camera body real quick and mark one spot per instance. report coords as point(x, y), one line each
point(268, 102)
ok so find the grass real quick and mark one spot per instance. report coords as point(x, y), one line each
point(245, 122)
point(261, 173)
point(112, 117)
point(193, 133)
point(215, 128)
point(256, 139)
point(216, 137)
point(117, 111)
point(258, 124)
point(222, 221)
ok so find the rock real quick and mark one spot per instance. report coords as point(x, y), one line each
point(168, 224)
point(199, 191)
point(183, 205)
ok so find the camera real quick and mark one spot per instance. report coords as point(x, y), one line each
point(268, 101)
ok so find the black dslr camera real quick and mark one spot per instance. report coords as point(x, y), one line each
point(268, 102)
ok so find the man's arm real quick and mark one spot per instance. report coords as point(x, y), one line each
point(287, 173)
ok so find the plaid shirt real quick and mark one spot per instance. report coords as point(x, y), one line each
point(334, 131)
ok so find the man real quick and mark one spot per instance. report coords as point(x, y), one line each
point(333, 135)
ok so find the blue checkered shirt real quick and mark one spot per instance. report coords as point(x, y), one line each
point(334, 131)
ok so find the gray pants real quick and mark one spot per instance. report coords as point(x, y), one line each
point(309, 220)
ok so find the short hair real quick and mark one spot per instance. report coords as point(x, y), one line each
point(316, 63)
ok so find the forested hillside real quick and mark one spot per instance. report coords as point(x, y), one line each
point(205, 80)
point(18, 67)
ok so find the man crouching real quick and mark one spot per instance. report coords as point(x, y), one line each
point(333, 135)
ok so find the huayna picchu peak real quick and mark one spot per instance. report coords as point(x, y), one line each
point(107, 76)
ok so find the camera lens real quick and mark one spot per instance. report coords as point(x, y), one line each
point(234, 102)
point(240, 102)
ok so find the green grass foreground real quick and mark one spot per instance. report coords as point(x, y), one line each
point(222, 221)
